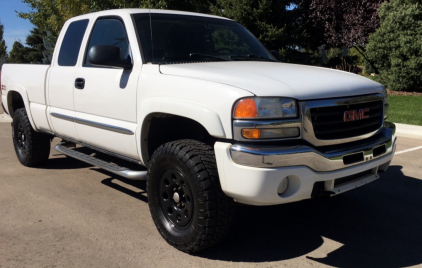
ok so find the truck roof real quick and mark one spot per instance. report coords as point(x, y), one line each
point(144, 10)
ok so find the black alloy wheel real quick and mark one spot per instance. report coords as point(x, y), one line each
point(32, 148)
point(176, 198)
point(21, 140)
point(185, 199)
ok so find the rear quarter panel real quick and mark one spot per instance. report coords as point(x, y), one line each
point(29, 81)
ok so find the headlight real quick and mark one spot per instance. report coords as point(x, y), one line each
point(265, 108)
point(385, 93)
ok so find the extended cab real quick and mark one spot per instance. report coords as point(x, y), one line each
point(207, 114)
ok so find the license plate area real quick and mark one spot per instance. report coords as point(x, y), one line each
point(380, 150)
point(353, 158)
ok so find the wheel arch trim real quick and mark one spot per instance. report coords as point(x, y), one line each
point(18, 89)
point(204, 116)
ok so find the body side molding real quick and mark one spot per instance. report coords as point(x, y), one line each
point(93, 124)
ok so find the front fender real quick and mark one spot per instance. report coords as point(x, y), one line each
point(205, 116)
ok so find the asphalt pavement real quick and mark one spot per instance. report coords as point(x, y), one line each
point(70, 214)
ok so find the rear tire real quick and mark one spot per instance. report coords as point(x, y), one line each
point(32, 148)
point(188, 207)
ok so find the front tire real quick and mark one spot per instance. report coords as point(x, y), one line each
point(188, 207)
point(32, 148)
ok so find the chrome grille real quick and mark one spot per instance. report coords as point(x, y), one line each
point(328, 122)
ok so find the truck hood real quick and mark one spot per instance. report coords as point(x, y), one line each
point(278, 79)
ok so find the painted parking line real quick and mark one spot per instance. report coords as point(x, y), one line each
point(409, 150)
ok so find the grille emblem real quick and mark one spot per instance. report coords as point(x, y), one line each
point(355, 115)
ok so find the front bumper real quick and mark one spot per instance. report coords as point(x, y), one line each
point(252, 174)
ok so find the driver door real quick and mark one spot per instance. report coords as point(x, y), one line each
point(105, 100)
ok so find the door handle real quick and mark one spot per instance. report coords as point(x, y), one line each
point(80, 83)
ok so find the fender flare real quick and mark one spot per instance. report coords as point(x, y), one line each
point(24, 95)
point(205, 116)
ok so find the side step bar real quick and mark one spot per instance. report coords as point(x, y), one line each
point(121, 171)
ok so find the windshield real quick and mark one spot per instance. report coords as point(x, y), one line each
point(180, 38)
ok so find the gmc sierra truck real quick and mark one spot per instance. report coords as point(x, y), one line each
point(206, 113)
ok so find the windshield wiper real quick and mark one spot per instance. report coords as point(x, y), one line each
point(194, 55)
point(200, 55)
point(251, 57)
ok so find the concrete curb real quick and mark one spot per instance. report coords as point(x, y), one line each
point(409, 131)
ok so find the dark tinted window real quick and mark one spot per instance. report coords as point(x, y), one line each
point(71, 44)
point(109, 32)
point(180, 38)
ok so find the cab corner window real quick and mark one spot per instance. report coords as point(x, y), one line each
point(71, 43)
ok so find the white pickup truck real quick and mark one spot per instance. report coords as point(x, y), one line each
point(206, 112)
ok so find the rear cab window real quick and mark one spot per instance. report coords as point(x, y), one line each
point(71, 43)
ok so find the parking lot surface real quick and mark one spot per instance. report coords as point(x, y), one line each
point(70, 214)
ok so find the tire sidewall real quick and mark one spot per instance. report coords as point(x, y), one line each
point(17, 120)
point(161, 165)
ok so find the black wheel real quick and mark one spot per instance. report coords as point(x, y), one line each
point(188, 207)
point(32, 148)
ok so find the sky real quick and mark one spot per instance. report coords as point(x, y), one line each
point(14, 27)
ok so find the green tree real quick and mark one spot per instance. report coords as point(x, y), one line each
point(50, 15)
point(49, 43)
point(267, 20)
point(347, 22)
point(35, 46)
point(396, 45)
point(276, 24)
point(201, 6)
point(3, 47)
point(18, 53)
point(34, 50)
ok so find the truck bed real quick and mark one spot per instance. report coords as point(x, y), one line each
point(30, 81)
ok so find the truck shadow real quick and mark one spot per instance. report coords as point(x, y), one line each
point(141, 185)
point(64, 162)
point(378, 225)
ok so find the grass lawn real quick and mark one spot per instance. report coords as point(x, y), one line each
point(405, 109)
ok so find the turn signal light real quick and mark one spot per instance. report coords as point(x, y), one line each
point(246, 109)
point(250, 133)
point(270, 133)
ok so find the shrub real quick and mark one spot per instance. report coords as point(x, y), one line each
point(297, 57)
point(396, 46)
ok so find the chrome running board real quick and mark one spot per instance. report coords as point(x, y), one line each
point(113, 168)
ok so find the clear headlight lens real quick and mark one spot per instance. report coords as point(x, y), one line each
point(265, 108)
point(385, 93)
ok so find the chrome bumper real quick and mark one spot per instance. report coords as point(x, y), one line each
point(322, 160)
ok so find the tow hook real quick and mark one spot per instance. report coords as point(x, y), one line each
point(319, 190)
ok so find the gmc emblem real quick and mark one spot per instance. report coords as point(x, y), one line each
point(356, 115)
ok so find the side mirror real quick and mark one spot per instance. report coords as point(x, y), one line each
point(276, 55)
point(110, 56)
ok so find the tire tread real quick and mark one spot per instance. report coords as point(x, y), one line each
point(38, 143)
point(217, 215)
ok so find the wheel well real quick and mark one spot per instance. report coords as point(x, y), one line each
point(15, 101)
point(162, 128)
